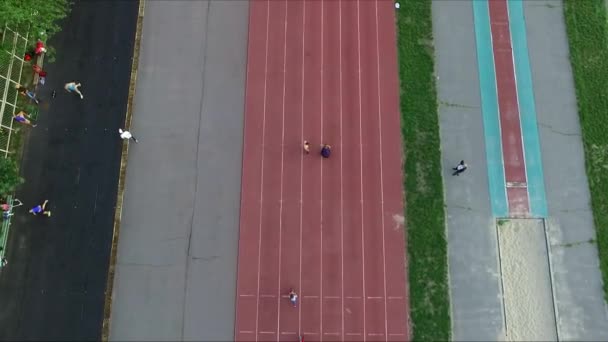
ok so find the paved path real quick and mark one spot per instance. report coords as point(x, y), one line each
point(477, 311)
point(176, 268)
point(53, 287)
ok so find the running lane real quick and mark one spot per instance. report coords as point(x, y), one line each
point(512, 146)
point(326, 72)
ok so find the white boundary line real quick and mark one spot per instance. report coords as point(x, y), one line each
point(257, 303)
point(282, 173)
point(361, 164)
point(341, 174)
point(381, 170)
point(321, 216)
point(302, 159)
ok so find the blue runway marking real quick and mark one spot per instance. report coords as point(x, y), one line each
point(489, 109)
point(527, 110)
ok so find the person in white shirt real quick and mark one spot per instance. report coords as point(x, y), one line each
point(126, 135)
point(459, 168)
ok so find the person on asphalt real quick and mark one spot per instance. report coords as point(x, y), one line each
point(41, 209)
point(293, 297)
point(325, 151)
point(459, 168)
point(126, 135)
point(72, 87)
point(22, 118)
point(306, 147)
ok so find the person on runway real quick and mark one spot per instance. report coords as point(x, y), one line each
point(325, 151)
point(293, 297)
point(459, 168)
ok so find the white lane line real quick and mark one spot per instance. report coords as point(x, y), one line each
point(361, 162)
point(321, 179)
point(282, 171)
point(341, 173)
point(246, 295)
point(381, 168)
point(267, 296)
point(302, 159)
point(257, 305)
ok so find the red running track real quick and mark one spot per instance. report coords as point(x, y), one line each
point(332, 229)
point(508, 106)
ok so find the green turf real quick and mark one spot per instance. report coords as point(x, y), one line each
point(425, 216)
point(588, 37)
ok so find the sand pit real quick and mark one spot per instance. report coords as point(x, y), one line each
point(526, 279)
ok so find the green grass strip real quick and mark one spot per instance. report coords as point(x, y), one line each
point(588, 37)
point(425, 217)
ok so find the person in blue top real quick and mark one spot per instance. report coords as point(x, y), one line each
point(325, 151)
point(41, 209)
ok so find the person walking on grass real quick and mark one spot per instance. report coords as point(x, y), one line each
point(459, 168)
point(126, 135)
point(41, 209)
point(27, 93)
point(72, 87)
point(306, 147)
point(22, 118)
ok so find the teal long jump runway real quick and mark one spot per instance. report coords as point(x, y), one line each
point(515, 172)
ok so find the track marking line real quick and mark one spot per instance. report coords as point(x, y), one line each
point(267, 296)
point(245, 332)
point(332, 333)
point(281, 178)
point(341, 170)
point(353, 334)
point(257, 305)
point(321, 179)
point(267, 332)
point(361, 161)
point(302, 157)
point(381, 169)
point(246, 295)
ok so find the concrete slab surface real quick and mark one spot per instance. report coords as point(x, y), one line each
point(176, 268)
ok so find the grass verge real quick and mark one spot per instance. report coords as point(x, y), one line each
point(427, 246)
point(587, 28)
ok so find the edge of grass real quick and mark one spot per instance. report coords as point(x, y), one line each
point(424, 198)
point(587, 29)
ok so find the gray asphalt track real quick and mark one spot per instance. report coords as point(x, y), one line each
point(581, 310)
point(474, 270)
point(177, 253)
point(53, 287)
point(472, 243)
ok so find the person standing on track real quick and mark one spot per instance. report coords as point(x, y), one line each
point(306, 147)
point(293, 297)
point(325, 151)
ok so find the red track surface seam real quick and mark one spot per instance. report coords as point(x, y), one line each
point(512, 144)
point(333, 228)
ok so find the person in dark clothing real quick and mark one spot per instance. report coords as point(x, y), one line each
point(459, 168)
point(325, 151)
